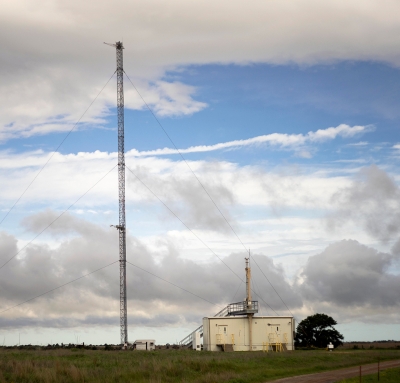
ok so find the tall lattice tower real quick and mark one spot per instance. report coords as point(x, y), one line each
point(121, 192)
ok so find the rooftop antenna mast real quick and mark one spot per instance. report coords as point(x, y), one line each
point(249, 303)
point(121, 192)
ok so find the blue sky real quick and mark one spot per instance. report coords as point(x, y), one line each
point(295, 142)
point(247, 101)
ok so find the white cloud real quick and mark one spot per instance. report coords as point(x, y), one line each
point(54, 63)
point(361, 143)
point(243, 193)
point(171, 99)
point(370, 200)
point(67, 177)
point(276, 213)
point(33, 116)
point(350, 279)
point(280, 140)
point(342, 130)
point(41, 269)
point(86, 168)
point(353, 281)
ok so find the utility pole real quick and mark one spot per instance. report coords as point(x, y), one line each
point(121, 193)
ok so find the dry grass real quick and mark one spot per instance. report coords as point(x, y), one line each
point(65, 365)
point(388, 376)
point(371, 345)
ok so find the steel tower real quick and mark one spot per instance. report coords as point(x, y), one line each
point(121, 193)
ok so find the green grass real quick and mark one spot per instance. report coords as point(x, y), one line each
point(71, 365)
point(388, 376)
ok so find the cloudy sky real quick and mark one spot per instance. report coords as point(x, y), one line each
point(274, 128)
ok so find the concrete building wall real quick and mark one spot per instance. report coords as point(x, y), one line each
point(235, 331)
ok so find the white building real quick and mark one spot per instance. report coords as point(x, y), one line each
point(237, 328)
point(232, 333)
point(144, 344)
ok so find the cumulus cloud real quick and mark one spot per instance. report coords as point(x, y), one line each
point(348, 273)
point(88, 321)
point(193, 202)
point(347, 279)
point(170, 99)
point(353, 281)
point(33, 118)
point(94, 300)
point(229, 184)
point(8, 243)
point(55, 181)
point(258, 203)
point(49, 79)
point(372, 200)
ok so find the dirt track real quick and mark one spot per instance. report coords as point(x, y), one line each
point(337, 375)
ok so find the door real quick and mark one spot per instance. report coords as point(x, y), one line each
point(223, 334)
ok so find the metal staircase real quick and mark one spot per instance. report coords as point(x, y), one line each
point(227, 348)
point(274, 343)
point(187, 341)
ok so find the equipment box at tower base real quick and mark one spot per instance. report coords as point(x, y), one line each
point(144, 344)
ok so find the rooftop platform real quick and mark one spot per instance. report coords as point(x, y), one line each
point(242, 308)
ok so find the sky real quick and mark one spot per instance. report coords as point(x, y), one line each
point(262, 126)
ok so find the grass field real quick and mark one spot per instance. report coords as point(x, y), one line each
point(78, 365)
point(388, 376)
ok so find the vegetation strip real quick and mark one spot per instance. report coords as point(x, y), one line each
point(78, 365)
point(391, 375)
point(338, 375)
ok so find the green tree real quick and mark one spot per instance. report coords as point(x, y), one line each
point(317, 331)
